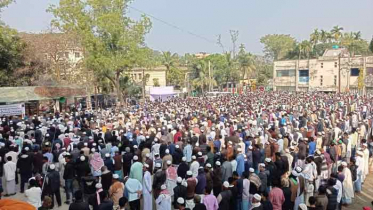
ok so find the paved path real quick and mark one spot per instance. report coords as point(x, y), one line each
point(363, 199)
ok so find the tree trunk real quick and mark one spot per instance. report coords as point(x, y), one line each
point(119, 92)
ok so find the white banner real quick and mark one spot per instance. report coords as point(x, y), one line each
point(12, 109)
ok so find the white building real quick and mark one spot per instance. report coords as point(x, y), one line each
point(335, 71)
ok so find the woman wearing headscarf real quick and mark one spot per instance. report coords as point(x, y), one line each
point(96, 164)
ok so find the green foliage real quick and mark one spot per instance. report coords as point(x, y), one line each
point(371, 46)
point(113, 42)
point(277, 46)
point(174, 76)
point(11, 55)
point(202, 79)
point(360, 79)
point(246, 63)
point(156, 82)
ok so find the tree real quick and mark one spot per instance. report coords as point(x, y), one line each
point(246, 62)
point(277, 46)
point(111, 40)
point(11, 57)
point(336, 32)
point(315, 37)
point(324, 36)
point(156, 82)
point(371, 46)
point(173, 73)
point(202, 79)
point(360, 79)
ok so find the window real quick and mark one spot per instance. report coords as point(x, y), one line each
point(303, 73)
point(77, 55)
point(140, 76)
point(354, 72)
point(285, 73)
point(135, 76)
point(335, 79)
point(335, 64)
point(66, 55)
point(321, 80)
point(322, 65)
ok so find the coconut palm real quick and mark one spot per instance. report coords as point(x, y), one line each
point(336, 32)
point(202, 79)
point(305, 48)
point(324, 35)
point(357, 35)
point(315, 37)
point(169, 60)
point(246, 63)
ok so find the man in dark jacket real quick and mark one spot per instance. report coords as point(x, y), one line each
point(177, 155)
point(183, 168)
point(217, 178)
point(24, 164)
point(68, 176)
point(79, 204)
point(53, 184)
point(179, 192)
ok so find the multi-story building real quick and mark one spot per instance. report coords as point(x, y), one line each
point(335, 71)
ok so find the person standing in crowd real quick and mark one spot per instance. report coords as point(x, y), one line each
point(68, 176)
point(147, 188)
point(78, 203)
point(10, 176)
point(134, 190)
point(33, 194)
point(53, 184)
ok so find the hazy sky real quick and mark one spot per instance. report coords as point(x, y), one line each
point(208, 18)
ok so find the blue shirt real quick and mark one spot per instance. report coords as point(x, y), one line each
point(217, 144)
point(312, 148)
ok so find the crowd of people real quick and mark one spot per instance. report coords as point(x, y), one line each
point(259, 150)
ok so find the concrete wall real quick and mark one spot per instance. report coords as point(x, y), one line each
point(324, 73)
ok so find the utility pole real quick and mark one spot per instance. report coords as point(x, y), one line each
point(209, 76)
point(339, 73)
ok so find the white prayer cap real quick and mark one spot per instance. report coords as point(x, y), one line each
point(295, 173)
point(194, 157)
point(179, 179)
point(147, 155)
point(99, 185)
point(107, 155)
point(298, 169)
point(158, 165)
point(90, 137)
point(251, 170)
point(303, 206)
point(94, 144)
point(268, 160)
point(226, 184)
point(169, 162)
point(208, 165)
point(135, 157)
point(262, 165)
point(82, 158)
point(197, 144)
point(52, 166)
point(239, 150)
point(115, 176)
point(189, 173)
point(183, 159)
point(93, 150)
point(217, 163)
point(230, 142)
point(180, 200)
point(85, 144)
point(344, 164)
point(167, 151)
point(27, 149)
point(135, 146)
point(199, 153)
point(257, 197)
point(146, 165)
point(250, 147)
point(46, 143)
point(177, 146)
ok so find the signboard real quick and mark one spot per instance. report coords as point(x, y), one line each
point(57, 92)
point(12, 109)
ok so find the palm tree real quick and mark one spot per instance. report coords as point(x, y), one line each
point(246, 63)
point(324, 36)
point(357, 35)
point(305, 48)
point(315, 37)
point(169, 61)
point(336, 32)
point(202, 79)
